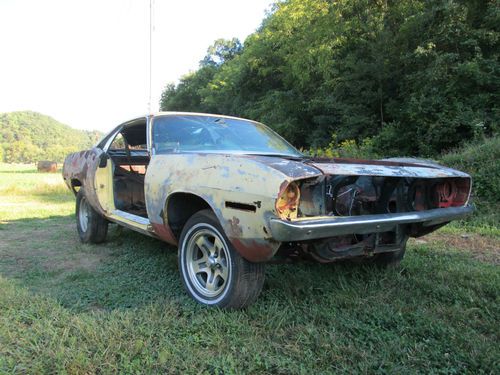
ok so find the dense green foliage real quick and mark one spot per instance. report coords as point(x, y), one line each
point(27, 137)
point(119, 307)
point(412, 77)
point(481, 161)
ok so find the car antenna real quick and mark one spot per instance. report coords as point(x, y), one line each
point(150, 53)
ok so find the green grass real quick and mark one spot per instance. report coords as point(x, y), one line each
point(480, 158)
point(119, 307)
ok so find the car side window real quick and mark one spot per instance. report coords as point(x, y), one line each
point(143, 147)
point(118, 143)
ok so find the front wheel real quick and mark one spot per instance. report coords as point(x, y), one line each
point(212, 271)
point(91, 226)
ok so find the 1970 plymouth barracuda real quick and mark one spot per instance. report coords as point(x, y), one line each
point(232, 195)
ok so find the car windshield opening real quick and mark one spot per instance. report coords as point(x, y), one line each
point(198, 133)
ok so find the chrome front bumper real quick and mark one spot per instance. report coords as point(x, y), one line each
point(314, 228)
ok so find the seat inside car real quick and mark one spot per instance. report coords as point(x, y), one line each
point(130, 157)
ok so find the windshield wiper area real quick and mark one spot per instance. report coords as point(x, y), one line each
point(284, 156)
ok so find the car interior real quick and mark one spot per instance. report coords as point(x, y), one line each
point(130, 158)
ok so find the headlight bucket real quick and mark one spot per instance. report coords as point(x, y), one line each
point(288, 200)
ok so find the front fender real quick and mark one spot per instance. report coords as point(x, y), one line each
point(241, 191)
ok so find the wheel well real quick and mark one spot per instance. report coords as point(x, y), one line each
point(75, 185)
point(180, 207)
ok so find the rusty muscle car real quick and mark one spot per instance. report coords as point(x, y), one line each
point(232, 195)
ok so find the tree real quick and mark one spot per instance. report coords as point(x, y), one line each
point(222, 51)
point(27, 136)
point(413, 77)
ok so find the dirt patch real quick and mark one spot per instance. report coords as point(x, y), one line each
point(483, 248)
point(81, 262)
point(43, 232)
point(52, 247)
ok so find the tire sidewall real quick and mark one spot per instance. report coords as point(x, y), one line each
point(84, 235)
point(193, 225)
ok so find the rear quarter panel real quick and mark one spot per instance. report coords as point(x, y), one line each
point(81, 166)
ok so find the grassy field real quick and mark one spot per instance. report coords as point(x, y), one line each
point(120, 308)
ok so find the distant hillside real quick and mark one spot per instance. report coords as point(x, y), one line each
point(27, 137)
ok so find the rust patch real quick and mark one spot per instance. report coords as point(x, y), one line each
point(283, 186)
point(82, 167)
point(368, 162)
point(234, 227)
point(254, 250)
point(164, 233)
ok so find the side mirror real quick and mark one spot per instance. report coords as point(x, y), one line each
point(103, 160)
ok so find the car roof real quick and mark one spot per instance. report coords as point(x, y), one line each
point(175, 113)
point(133, 120)
point(179, 113)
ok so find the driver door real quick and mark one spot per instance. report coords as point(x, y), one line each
point(103, 181)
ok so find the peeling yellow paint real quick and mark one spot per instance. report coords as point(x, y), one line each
point(103, 184)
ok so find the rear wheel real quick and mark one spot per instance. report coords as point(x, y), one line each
point(212, 271)
point(91, 226)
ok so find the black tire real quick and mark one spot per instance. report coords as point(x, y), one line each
point(91, 226)
point(390, 260)
point(216, 265)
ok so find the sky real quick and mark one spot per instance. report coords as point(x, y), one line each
point(86, 63)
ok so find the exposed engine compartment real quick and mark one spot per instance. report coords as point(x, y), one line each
point(370, 195)
point(365, 195)
point(348, 195)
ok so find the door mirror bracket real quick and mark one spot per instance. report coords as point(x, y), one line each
point(103, 160)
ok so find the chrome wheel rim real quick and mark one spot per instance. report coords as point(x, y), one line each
point(207, 262)
point(84, 214)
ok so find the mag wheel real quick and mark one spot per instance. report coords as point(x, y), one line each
point(212, 271)
point(92, 227)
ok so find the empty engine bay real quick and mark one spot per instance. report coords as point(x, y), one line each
point(371, 195)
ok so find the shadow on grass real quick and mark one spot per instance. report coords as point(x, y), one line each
point(46, 256)
point(22, 171)
point(130, 269)
point(51, 195)
point(54, 197)
point(26, 171)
